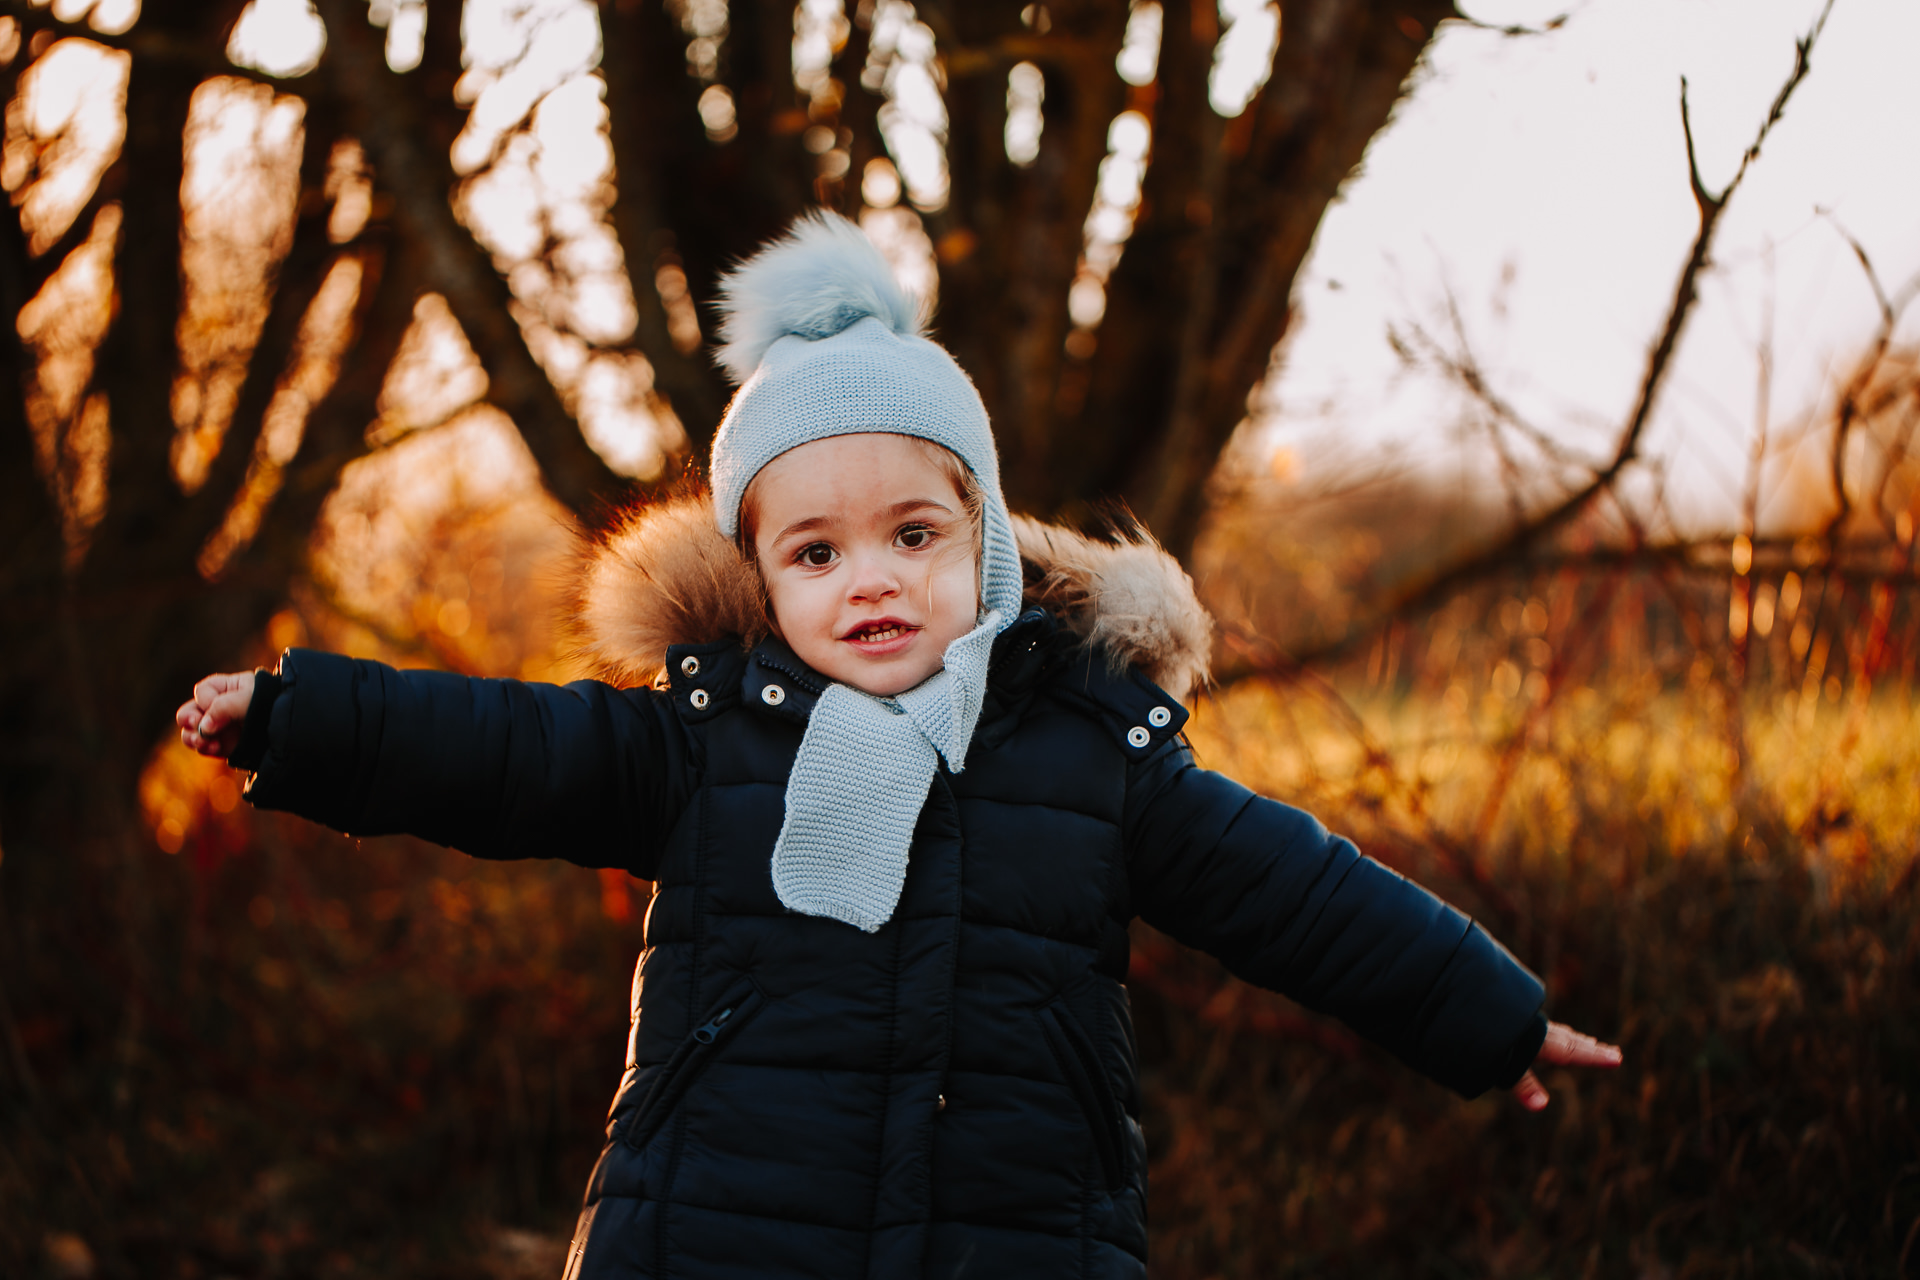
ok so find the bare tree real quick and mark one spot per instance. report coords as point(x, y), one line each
point(130, 564)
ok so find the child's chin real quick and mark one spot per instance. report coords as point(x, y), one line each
point(882, 688)
point(884, 682)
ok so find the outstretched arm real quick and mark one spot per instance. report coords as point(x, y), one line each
point(1289, 906)
point(495, 768)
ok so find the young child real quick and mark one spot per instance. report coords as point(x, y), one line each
point(911, 769)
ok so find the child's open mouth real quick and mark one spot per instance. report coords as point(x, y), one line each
point(880, 632)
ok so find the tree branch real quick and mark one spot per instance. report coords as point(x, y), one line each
point(1518, 30)
point(139, 356)
point(30, 544)
point(296, 283)
point(1010, 238)
point(382, 115)
point(1852, 411)
point(644, 68)
point(336, 431)
point(1415, 346)
point(1222, 251)
point(1519, 541)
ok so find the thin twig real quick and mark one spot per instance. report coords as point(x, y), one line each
point(1416, 346)
point(1514, 30)
point(1852, 411)
point(1520, 541)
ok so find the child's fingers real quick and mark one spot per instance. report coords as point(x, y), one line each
point(205, 744)
point(212, 687)
point(1530, 1093)
point(189, 718)
point(210, 723)
point(229, 708)
point(1563, 1047)
point(1566, 1047)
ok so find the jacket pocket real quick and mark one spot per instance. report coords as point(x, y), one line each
point(688, 1060)
point(1079, 1062)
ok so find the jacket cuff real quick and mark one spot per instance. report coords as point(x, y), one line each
point(1520, 1058)
point(252, 747)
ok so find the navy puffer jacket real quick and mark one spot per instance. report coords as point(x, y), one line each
point(954, 1095)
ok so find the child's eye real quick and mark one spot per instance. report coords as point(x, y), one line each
point(816, 555)
point(915, 537)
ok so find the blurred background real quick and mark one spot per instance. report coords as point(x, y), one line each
point(1531, 393)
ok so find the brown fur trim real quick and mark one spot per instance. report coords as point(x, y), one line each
point(1128, 597)
point(664, 575)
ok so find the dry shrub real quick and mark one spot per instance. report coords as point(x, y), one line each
point(1764, 989)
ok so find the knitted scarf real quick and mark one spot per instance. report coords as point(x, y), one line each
point(861, 778)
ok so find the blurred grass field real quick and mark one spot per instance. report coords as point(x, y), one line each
point(1748, 935)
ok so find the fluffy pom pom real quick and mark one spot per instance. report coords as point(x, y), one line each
point(820, 278)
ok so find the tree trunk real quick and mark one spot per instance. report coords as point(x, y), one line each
point(1229, 208)
point(1010, 238)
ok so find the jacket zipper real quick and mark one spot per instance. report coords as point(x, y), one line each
point(809, 683)
point(1080, 1065)
point(680, 1070)
point(1010, 652)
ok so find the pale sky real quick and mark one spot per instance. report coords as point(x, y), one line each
point(1558, 161)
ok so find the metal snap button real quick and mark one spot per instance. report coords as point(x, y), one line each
point(940, 1103)
point(1138, 736)
point(1159, 717)
point(689, 666)
point(773, 695)
point(699, 699)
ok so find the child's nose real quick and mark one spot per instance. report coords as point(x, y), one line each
point(873, 578)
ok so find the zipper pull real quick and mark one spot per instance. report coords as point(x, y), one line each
point(706, 1034)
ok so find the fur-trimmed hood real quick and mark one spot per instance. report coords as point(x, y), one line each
point(664, 575)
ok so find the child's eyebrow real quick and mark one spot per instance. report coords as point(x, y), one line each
point(801, 526)
point(898, 509)
point(915, 504)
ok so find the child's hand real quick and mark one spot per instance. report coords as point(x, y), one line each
point(1563, 1047)
point(211, 722)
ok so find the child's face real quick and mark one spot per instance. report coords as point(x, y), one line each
point(868, 556)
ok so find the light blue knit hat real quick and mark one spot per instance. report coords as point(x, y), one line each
point(826, 343)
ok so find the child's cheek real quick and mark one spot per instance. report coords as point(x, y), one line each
point(773, 588)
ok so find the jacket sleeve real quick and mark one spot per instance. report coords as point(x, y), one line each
point(1288, 906)
point(494, 768)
